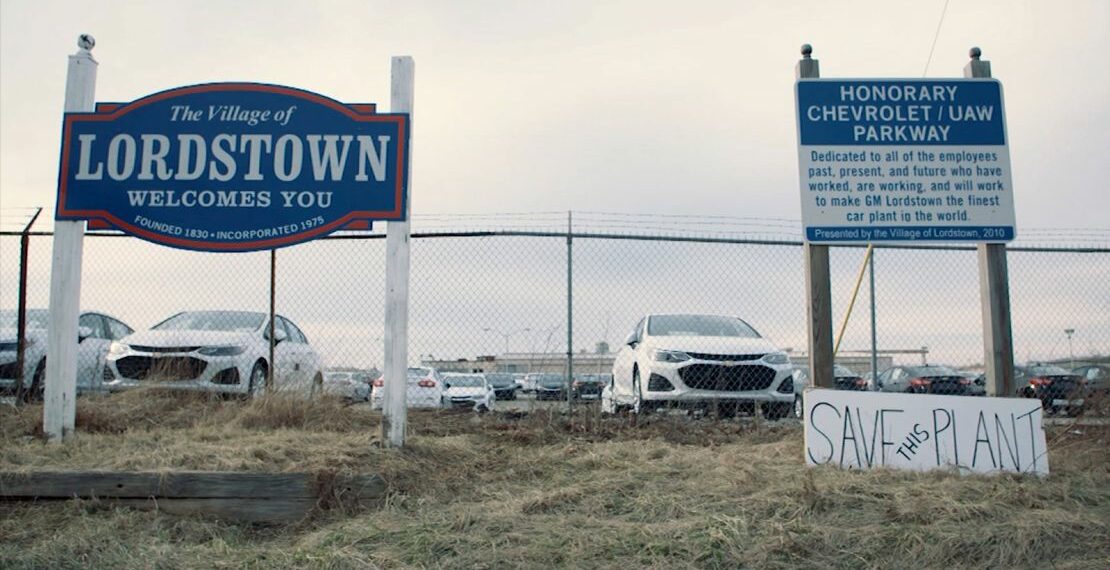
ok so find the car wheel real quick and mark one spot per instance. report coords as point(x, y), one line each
point(257, 383)
point(799, 408)
point(637, 396)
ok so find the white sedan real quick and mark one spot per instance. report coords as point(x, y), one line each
point(214, 351)
point(354, 386)
point(424, 389)
point(468, 391)
point(698, 361)
point(95, 332)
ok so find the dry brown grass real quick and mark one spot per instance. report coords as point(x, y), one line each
point(512, 491)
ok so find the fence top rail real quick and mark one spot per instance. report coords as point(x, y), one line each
point(633, 237)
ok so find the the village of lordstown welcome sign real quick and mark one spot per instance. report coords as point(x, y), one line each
point(233, 166)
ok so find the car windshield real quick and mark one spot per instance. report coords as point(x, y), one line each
point(1049, 371)
point(419, 373)
point(36, 319)
point(338, 376)
point(464, 380)
point(228, 321)
point(551, 380)
point(922, 371)
point(699, 325)
point(500, 379)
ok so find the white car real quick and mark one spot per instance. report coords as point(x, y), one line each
point(468, 391)
point(214, 351)
point(425, 389)
point(698, 361)
point(354, 386)
point(96, 332)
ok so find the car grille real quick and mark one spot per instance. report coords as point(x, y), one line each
point(1061, 387)
point(163, 349)
point(726, 378)
point(724, 357)
point(6, 346)
point(169, 368)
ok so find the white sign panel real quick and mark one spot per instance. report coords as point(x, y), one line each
point(904, 160)
point(920, 432)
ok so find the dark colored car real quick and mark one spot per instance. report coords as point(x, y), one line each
point(503, 384)
point(1097, 377)
point(845, 379)
point(588, 386)
point(551, 387)
point(927, 379)
point(1057, 388)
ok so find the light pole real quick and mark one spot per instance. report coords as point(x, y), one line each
point(1071, 353)
point(506, 335)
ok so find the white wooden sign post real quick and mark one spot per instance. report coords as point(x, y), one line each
point(395, 375)
point(59, 410)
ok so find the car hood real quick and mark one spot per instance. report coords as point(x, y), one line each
point(165, 339)
point(12, 335)
point(711, 344)
point(465, 391)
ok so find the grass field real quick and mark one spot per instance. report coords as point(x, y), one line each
point(538, 491)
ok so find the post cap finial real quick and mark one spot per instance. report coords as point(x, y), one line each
point(975, 53)
point(807, 50)
point(86, 42)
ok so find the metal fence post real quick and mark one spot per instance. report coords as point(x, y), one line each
point(273, 337)
point(994, 291)
point(874, 337)
point(570, 312)
point(21, 325)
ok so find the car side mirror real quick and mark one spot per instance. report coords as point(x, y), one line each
point(632, 340)
point(446, 385)
point(83, 333)
point(279, 336)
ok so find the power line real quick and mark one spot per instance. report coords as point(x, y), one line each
point(935, 36)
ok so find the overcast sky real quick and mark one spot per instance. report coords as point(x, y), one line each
point(616, 105)
point(625, 106)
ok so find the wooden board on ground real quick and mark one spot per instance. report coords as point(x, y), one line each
point(246, 497)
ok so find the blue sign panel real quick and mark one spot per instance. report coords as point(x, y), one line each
point(894, 160)
point(233, 166)
point(901, 112)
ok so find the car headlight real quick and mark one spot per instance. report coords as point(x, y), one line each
point(222, 350)
point(117, 348)
point(669, 356)
point(776, 358)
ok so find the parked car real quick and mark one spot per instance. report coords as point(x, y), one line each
point(531, 380)
point(95, 332)
point(588, 386)
point(468, 391)
point(1057, 388)
point(843, 379)
point(347, 385)
point(1097, 377)
point(550, 386)
point(214, 351)
point(978, 385)
point(504, 385)
point(425, 389)
point(698, 360)
point(925, 379)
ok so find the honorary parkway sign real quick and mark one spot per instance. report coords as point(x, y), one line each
point(233, 166)
point(904, 160)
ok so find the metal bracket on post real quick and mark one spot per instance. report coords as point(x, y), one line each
point(994, 291)
point(395, 373)
point(818, 283)
point(59, 407)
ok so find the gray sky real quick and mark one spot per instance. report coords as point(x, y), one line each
point(621, 106)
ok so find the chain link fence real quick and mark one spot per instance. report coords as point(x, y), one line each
point(493, 297)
